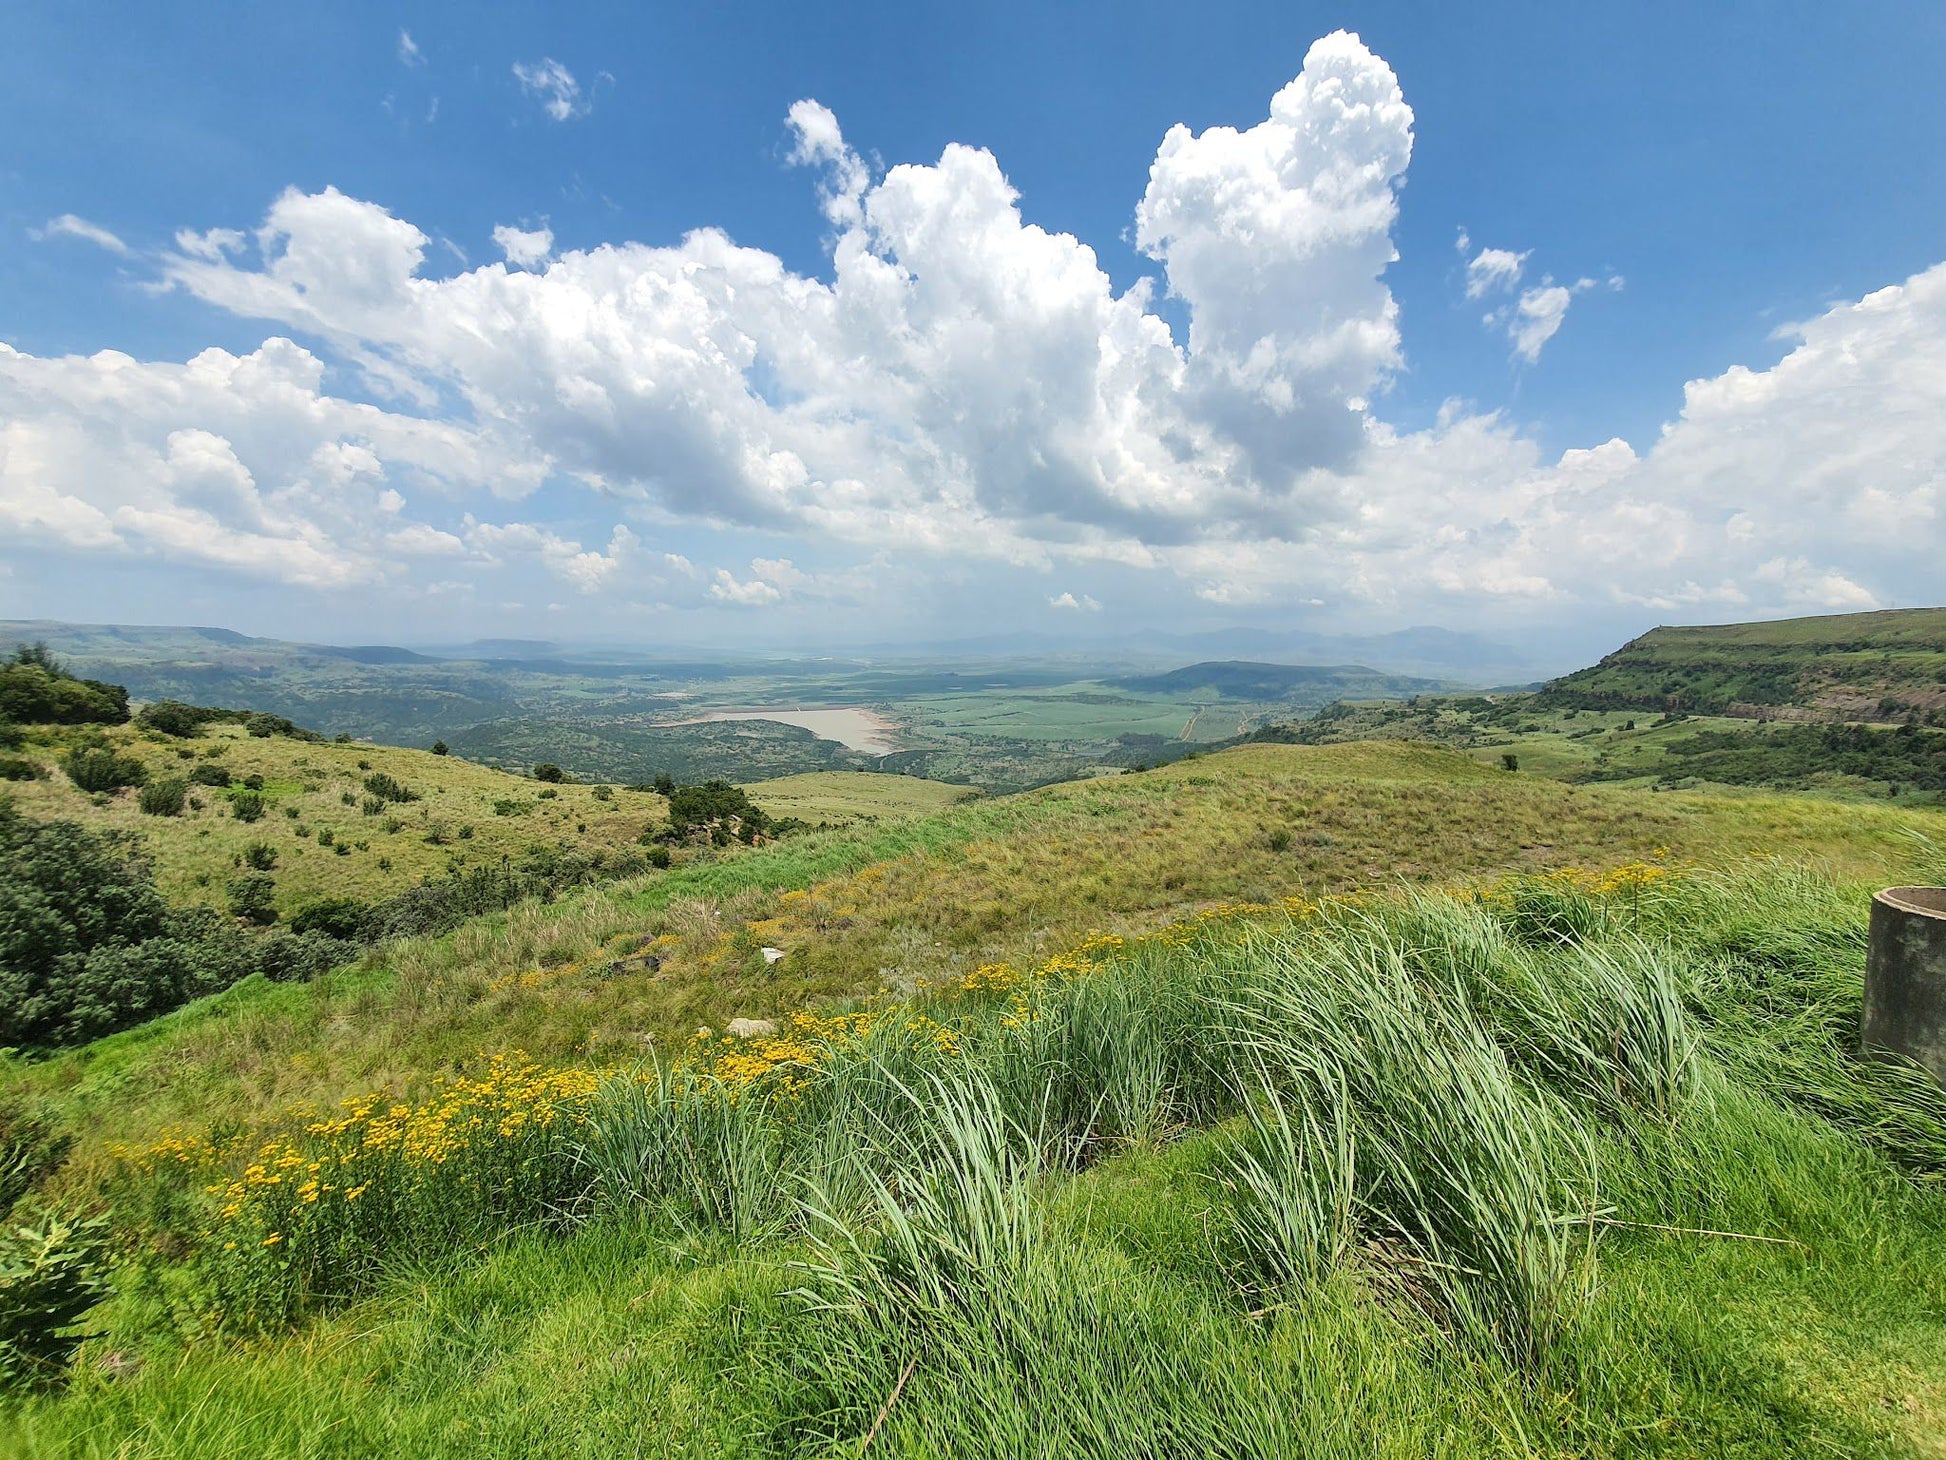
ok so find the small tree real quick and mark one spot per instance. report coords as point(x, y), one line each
point(260, 857)
point(547, 771)
point(1509, 761)
point(439, 748)
point(247, 805)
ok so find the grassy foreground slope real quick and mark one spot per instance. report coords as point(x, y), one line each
point(1889, 665)
point(1579, 1167)
point(883, 907)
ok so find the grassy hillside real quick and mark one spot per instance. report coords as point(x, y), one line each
point(887, 906)
point(835, 796)
point(316, 803)
point(1904, 764)
point(1582, 1166)
point(1888, 666)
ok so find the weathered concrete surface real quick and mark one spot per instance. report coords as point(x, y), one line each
point(1905, 976)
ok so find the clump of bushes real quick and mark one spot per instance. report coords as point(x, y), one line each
point(210, 775)
point(19, 768)
point(35, 689)
point(88, 946)
point(247, 806)
point(547, 771)
point(100, 770)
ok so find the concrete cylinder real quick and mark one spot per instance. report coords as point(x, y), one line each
point(1905, 976)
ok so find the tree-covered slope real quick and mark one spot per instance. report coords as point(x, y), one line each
point(1856, 666)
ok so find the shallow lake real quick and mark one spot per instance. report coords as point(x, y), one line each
point(852, 727)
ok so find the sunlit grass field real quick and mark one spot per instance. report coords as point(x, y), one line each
point(820, 797)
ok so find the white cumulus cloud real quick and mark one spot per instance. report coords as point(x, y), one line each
point(525, 247)
point(967, 390)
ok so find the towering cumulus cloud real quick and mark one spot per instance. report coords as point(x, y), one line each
point(962, 382)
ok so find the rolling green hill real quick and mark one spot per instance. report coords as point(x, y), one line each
point(1097, 1099)
point(1888, 666)
point(1303, 684)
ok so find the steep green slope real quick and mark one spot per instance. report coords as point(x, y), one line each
point(1859, 666)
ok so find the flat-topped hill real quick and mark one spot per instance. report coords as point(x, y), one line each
point(1886, 666)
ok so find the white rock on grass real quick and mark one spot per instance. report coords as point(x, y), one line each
point(751, 1028)
point(771, 955)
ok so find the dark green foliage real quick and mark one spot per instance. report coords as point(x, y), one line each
point(546, 771)
point(659, 858)
point(385, 788)
point(247, 805)
point(19, 768)
point(51, 1272)
point(210, 775)
point(98, 769)
point(439, 748)
point(1509, 761)
point(1789, 754)
point(665, 784)
point(12, 737)
point(172, 717)
point(262, 726)
point(36, 690)
point(87, 945)
point(344, 918)
point(260, 857)
point(253, 898)
point(164, 797)
point(717, 808)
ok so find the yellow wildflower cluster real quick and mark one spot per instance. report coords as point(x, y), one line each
point(784, 1062)
point(535, 978)
point(338, 1156)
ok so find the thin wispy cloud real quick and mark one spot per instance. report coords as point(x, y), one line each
point(69, 225)
point(551, 84)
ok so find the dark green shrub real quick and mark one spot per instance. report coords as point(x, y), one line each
point(547, 771)
point(253, 898)
point(604, 793)
point(36, 690)
point(658, 856)
point(19, 768)
point(253, 782)
point(171, 717)
point(664, 783)
point(326, 836)
point(343, 918)
point(51, 1272)
point(385, 788)
point(1509, 761)
point(546, 793)
point(439, 747)
point(371, 806)
point(247, 805)
point(262, 726)
point(100, 769)
point(164, 797)
point(210, 775)
point(260, 857)
point(12, 737)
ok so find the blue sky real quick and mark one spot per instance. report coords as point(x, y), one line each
point(1698, 180)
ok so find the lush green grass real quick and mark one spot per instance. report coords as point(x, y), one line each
point(1585, 1168)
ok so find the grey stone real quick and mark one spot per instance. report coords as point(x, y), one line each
point(1905, 977)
